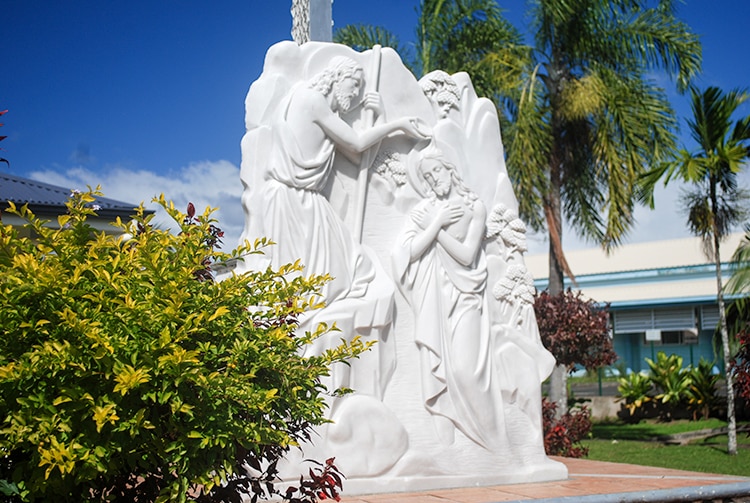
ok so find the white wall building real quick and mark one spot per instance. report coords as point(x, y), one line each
point(662, 295)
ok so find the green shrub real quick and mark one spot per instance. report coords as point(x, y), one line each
point(128, 374)
point(672, 386)
point(636, 390)
point(701, 394)
point(671, 380)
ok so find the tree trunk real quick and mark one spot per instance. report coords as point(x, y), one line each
point(731, 419)
point(556, 283)
point(553, 199)
point(558, 390)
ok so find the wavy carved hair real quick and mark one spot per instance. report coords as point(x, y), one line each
point(434, 153)
point(339, 68)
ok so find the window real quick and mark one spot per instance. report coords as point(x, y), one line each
point(640, 320)
point(659, 337)
point(671, 337)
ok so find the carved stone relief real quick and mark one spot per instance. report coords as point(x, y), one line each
point(399, 190)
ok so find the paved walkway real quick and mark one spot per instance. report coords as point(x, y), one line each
point(590, 481)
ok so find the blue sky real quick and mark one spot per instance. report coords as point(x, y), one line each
point(146, 96)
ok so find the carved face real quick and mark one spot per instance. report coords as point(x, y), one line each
point(346, 89)
point(444, 107)
point(437, 175)
point(442, 91)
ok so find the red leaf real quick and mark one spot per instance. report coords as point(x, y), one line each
point(191, 210)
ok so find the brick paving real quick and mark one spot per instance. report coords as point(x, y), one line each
point(586, 479)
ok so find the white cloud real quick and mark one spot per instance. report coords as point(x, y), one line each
point(215, 184)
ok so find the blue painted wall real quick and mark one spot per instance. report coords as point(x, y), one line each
point(632, 350)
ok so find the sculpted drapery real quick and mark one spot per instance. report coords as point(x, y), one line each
point(450, 394)
point(306, 130)
point(442, 271)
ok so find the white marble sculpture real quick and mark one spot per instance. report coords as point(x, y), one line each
point(398, 189)
point(441, 267)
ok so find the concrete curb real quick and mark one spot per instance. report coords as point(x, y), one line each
point(682, 494)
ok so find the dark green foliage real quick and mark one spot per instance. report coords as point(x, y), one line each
point(669, 388)
point(702, 392)
point(455, 36)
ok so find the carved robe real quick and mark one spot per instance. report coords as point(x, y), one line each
point(453, 334)
point(304, 226)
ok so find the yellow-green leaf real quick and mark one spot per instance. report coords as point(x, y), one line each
point(129, 378)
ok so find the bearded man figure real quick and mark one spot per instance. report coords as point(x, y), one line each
point(306, 133)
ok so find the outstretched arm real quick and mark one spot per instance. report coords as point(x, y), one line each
point(347, 138)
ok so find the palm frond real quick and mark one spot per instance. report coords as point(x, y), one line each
point(741, 132)
point(706, 218)
point(528, 148)
point(582, 97)
point(739, 282)
point(361, 37)
point(460, 35)
point(661, 41)
point(631, 131)
point(712, 113)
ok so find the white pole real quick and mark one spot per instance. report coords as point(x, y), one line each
point(364, 171)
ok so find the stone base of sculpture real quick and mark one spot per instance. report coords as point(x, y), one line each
point(398, 188)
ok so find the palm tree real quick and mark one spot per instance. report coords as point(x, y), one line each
point(715, 203)
point(455, 35)
point(590, 120)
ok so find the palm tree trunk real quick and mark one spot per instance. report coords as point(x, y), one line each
point(731, 419)
point(558, 391)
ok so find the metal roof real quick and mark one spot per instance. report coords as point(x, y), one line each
point(667, 272)
point(46, 198)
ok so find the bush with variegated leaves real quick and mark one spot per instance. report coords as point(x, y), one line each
point(128, 374)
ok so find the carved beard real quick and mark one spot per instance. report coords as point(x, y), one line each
point(343, 100)
point(441, 189)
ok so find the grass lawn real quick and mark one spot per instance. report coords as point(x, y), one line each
point(631, 443)
point(648, 430)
